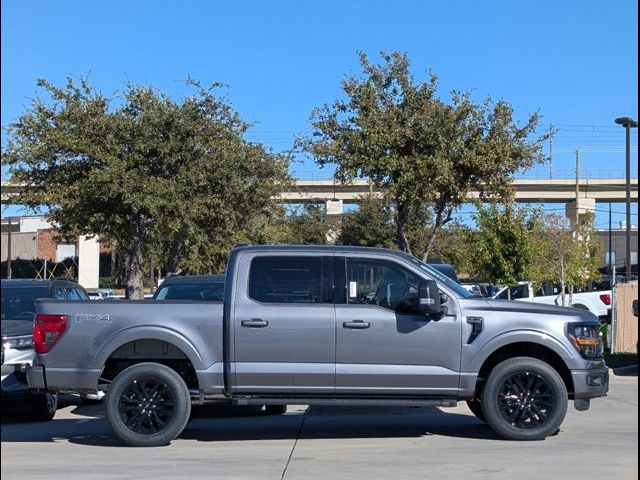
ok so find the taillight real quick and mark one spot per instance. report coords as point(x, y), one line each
point(606, 298)
point(48, 330)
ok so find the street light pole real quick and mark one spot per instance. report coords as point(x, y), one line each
point(628, 124)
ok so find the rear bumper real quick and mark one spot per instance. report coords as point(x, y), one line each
point(36, 377)
point(62, 379)
point(589, 384)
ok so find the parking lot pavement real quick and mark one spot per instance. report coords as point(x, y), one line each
point(331, 442)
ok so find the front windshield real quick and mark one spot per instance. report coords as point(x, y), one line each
point(441, 277)
point(18, 303)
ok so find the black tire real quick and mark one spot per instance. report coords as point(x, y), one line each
point(275, 409)
point(44, 407)
point(147, 405)
point(524, 399)
point(476, 408)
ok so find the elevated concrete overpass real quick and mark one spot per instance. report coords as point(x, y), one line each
point(526, 191)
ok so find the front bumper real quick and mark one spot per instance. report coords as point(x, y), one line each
point(589, 384)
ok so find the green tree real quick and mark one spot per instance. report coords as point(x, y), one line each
point(308, 225)
point(371, 225)
point(422, 152)
point(572, 254)
point(162, 178)
point(506, 246)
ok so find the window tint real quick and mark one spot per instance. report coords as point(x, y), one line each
point(19, 302)
point(212, 292)
point(74, 294)
point(286, 279)
point(382, 283)
point(517, 291)
point(59, 294)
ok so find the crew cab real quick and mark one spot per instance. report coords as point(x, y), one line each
point(322, 325)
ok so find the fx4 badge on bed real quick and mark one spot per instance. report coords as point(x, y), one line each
point(93, 318)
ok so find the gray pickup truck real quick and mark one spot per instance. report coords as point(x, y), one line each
point(322, 326)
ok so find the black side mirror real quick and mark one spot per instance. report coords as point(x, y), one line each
point(429, 298)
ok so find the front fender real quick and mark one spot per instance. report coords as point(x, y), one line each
point(478, 354)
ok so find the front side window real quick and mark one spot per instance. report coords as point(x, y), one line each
point(283, 279)
point(382, 283)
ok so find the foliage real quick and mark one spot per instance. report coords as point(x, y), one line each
point(172, 182)
point(308, 225)
point(371, 225)
point(505, 248)
point(422, 152)
point(572, 254)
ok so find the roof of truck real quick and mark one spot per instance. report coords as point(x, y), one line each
point(327, 248)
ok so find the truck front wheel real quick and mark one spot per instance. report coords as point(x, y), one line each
point(524, 399)
point(147, 405)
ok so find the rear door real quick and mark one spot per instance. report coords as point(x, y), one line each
point(384, 345)
point(283, 324)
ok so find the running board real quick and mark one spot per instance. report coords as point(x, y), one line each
point(383, 402)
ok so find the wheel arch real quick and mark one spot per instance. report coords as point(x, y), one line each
point(525, 349)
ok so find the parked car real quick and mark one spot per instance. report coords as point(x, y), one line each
point(191, 287)
point(323, 326)
point(445, 268)
point(597, 302)
point(18, 311)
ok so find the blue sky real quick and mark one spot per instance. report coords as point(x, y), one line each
point(574, 61)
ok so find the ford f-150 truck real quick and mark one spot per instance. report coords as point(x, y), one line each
point(328, 326)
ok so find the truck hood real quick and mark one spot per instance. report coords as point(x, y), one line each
point(15, 328)
point(541, 309)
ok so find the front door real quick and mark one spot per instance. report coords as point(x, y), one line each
point(384, 345)
point(284, 325)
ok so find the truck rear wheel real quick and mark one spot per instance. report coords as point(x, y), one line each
point(524, 399)
point(148, 405)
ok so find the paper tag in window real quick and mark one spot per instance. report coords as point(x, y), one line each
point(353, 289)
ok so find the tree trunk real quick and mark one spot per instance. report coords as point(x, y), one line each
point(402, 217)
point(134, 285)
point(437, 226)
point(135, 260)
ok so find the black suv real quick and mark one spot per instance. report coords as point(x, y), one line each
point(18, 310)
point(192, 287)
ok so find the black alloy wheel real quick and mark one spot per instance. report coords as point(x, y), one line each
point(525, 400)
point(146, 406)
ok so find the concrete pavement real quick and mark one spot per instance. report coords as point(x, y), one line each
point(332, 442)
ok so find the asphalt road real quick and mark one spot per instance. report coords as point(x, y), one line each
point(332, 443)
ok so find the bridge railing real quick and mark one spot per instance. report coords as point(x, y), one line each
point(534, 174)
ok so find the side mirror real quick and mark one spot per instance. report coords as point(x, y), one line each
point(429, 298)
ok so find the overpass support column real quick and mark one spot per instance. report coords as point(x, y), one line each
point(334, 210)
point(88, 261)
point(577, 209)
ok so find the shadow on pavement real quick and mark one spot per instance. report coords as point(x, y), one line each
point(320, 423)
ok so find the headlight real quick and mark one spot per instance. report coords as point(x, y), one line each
point(585, 337)
point(23, 342)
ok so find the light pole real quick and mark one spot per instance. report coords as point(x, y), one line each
point(628, 124)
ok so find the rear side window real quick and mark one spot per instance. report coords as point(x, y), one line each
point(286, 279)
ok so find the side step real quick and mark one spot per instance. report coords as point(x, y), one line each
point(383, 402)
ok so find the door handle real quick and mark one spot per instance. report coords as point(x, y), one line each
point(356, 325)
point(255, 323)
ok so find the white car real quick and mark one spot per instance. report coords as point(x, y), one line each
point(598, 303)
